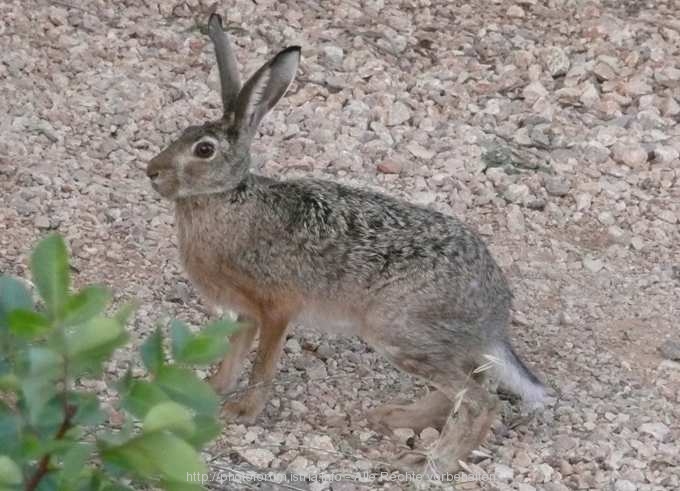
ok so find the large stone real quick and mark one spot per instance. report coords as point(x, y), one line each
point(583, 201)
point(334, 55)
point(399, 113)
point(417, 150)
point(637, 86)
point(658, 430)
point(595, 153)
point(604, 71)
point(516, 11)
point(517, 193)
point(632, 155)
point(428, 436)
point(617, 235)
point(664, 154)
point(389, 167)
point(668, 76)
point(556, 61)
point(590, 95)
point(534, 91)
point(259, 457)
point(503, 473)
point(624, 485)
point(557, 186)
point(320, 445)
point(670, 349)
point(669, 106)
point(515, 219)
point(593, 265)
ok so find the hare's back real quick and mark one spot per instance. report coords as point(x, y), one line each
point(372, 234)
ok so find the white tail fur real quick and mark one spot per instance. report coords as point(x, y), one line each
point(514, 375)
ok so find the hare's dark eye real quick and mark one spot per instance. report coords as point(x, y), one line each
point(204, 150)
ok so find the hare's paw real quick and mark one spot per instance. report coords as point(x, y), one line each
point(218, 381)
point(389, 417)
point(432, 411)
point(243, 411)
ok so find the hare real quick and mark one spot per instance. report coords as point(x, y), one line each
point(415, 284)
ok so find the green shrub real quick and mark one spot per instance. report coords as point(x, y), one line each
point(55, 436)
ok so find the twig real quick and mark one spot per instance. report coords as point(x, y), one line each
point(44, 464)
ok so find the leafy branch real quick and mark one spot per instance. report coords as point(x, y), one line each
point(54, 435)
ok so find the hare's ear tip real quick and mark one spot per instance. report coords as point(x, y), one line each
point(291, 50)
point(215, 20)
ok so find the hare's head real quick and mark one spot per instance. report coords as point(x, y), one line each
point(215, 156)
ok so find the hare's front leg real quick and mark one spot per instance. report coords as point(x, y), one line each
point(272, 336)
point(226, 376)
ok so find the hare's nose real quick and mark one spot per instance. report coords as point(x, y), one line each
point(157, 165)
point(153, 170)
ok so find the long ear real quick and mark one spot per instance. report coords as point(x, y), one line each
point(263, 90)
point(230, 82)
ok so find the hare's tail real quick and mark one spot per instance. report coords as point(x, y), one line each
point(515, 376)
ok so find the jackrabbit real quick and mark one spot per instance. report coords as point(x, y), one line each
point(417, 285)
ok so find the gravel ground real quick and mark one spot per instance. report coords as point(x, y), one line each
point(551, 126)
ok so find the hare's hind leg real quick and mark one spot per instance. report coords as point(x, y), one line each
point(270, 345)
point(442, 357)
point(432, 410)
point(226, 376)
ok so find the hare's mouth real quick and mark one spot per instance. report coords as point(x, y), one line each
point(166, 186)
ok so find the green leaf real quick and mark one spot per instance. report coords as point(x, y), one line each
point(30, 445)
point(140, 396)
point(170, 416)
point(27, 323)
point(207, 429)
point(37, 393)
point(72, 463)
point(38, 448)
point(184, 387)
point(158, 454)
point(49, 266)
point(44, 363)
point(89, 344)
point(9, 382)
point(88, 410)
point(124, 312)
point(152, 351)
point(221, 328)
point(84, 305)
point(92, 336)
point(50, 418)
point(114, 438)
point(203, 351)
point(48, 483)
point(205, 347)
point(13, 295)
point(10, 473)
point(39, 387)
point(180, 336)
point(10, 430)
